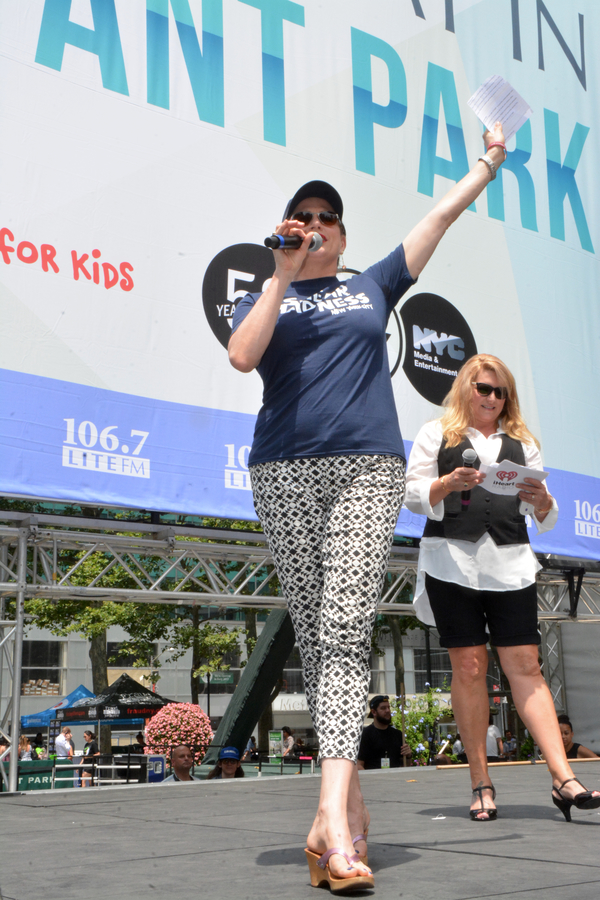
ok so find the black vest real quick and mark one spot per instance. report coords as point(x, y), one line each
point(497, 515)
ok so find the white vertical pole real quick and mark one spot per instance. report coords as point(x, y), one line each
point(18, 661)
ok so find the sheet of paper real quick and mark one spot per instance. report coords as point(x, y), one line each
point(497, 101)
point(502, 478)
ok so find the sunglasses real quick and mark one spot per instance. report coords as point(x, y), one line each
point(325, 217)
point(484, 390)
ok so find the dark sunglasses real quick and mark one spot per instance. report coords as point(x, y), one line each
point(485, 390)
point(325, 217)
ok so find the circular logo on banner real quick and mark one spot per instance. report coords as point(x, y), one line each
point(234, 272)
point(393, 336)
point(438, 341)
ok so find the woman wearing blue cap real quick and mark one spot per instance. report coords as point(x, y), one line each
point(327, 467)
point(228, 765)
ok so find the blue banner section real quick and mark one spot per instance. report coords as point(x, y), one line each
point(67, 441)
point(71, 442)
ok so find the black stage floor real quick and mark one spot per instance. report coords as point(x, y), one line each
point(245, 838)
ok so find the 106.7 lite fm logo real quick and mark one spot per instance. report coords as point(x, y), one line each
point(427, 336)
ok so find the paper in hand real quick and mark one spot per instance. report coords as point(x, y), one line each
point(496, 101)
point(502, 478)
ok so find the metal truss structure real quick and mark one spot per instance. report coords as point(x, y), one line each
point(42, 556)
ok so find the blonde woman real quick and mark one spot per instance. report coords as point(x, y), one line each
point(25, 752)
point(476, 579)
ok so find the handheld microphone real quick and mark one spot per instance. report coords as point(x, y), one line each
point(469, 456)
point(292, 242)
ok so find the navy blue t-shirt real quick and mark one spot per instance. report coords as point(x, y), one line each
point(327, 383)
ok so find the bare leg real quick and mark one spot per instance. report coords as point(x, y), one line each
point(358, 814)
point(330, 828)
point(471, 709)
point(536, 708)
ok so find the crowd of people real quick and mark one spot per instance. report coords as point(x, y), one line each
point(382, 746)
point(63, 747)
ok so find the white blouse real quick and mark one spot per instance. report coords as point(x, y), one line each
point(482, 565)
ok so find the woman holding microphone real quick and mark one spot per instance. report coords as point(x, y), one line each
point(477, 570)
point(327, 468)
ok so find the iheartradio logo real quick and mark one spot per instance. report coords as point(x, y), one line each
point(506, 476)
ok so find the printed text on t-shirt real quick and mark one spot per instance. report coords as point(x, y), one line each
point(340, 300)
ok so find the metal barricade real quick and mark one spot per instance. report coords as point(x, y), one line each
point(279, 765)
point(127, 768)
point(104, 770)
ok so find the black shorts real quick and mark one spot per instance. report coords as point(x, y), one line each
point(462, 614)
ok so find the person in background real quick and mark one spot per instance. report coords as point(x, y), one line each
point(382, 746)
point(251, 750)
point(140, 742)
point(25, 748)
point(64, 749)
point(457, 746)
point(493, 742)
point(288, 741)
point(573, 750)
point(71, 742)
point(510, 746)
point(443, 756)
point(182, 760)
point(63, 745)
point(90, 749)
point(228, 765)
point(37, 744)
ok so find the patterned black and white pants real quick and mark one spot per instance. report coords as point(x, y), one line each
point(330, 523)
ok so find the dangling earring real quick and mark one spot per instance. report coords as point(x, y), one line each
point(341, 263)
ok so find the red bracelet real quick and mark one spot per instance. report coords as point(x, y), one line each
point(497, 144)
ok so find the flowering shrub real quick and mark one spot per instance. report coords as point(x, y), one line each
point(421, 714)
point(527, 748)
point(179, 723)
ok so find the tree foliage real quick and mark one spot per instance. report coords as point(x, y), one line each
point(417, 717)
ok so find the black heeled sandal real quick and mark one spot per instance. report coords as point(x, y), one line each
point(491, 813)
point(583, 800)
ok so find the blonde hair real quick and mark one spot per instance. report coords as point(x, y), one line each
point(457, 417)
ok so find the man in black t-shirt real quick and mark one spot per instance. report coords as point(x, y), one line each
point(381, 745)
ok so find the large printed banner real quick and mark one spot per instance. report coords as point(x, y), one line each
point(147, 148)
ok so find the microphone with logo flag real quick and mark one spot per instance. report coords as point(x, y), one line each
point(469, 456)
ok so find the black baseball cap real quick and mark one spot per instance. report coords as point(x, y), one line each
point(320, 189)
point(375, 701)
